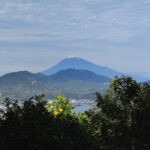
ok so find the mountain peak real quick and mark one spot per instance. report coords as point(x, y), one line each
point(80, 63)
point(73, 58)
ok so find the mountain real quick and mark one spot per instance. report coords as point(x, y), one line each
point(74, 74)
point(72, 83)
point(140, 77)
point(22, 76)
point(78, 63)
point(22, 84)
point(78, 83)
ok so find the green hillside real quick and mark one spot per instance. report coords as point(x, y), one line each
point(71, 83)
point(22, 84)
point(76, 74)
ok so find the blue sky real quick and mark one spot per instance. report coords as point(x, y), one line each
point(36, 34)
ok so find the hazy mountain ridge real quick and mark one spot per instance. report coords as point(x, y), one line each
point(78, 81)
point(78, 63)
point(74, 74)
point(71, 83)
point(137, 76)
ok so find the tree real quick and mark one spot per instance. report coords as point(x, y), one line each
point(141, 118)
point(61, 104)
point(122, 115)
point(31, 126)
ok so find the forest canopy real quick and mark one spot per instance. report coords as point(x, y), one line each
point(120, 121)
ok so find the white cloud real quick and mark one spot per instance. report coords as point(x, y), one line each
point(73, 26)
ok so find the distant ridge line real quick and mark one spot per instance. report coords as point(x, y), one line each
point(79, 63)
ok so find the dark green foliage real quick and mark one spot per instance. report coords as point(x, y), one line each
point(120, 121)
point(122, 116)
point(141, 118)
point(31, 126)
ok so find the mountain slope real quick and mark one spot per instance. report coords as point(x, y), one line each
point(71, 83)
point(138, 77)
point(78, 83)
point(74, 74)
point(22, 84)
point(78, 63)
point(23, 76)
